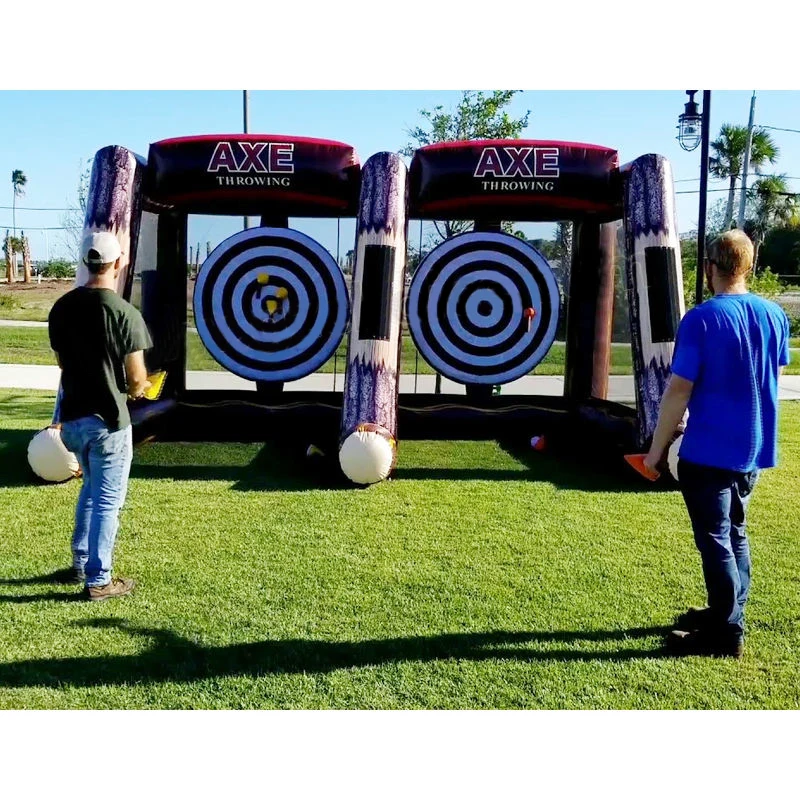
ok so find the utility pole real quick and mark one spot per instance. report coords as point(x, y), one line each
point(246, 115)
point(743, 198)
point(701, 222)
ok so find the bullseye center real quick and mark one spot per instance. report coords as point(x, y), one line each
point(484, 308)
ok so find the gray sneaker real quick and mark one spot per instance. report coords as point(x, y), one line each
point(116, 588)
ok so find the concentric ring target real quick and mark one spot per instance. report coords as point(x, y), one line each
point(270, 304)
point(469, 308)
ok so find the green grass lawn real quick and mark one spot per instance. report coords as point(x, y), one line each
point(473, 580)
point(31, 346)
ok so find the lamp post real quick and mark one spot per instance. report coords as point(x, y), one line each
point(693, 129)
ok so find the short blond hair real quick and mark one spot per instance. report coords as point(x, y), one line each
point(732, 253)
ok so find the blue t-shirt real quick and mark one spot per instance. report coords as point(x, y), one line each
point(731, 347)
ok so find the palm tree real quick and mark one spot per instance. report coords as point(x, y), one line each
point(728, 158)
point(18, 181)
point(773, 205)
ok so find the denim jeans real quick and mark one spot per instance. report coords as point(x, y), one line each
point(105, 457)
point(717, 501)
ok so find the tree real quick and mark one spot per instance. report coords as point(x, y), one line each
point(18, 181)
point(72, 220)
point(478, 115)
point(727, 160)
point(781, 250)
point(774, 205)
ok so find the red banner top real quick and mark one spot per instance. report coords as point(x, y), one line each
point(254, 173)
point(514, 179)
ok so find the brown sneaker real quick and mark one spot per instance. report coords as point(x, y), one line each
point(116, 588)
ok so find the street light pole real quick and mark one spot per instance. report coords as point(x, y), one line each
point(701, 223)
point(246, 116)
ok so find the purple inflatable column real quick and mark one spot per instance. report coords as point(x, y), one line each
point(655, 281)
point(114, 204)
point(368, 435)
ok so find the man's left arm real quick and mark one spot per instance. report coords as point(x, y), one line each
point(670, 414)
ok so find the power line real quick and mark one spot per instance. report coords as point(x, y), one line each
point(28, 208)
point(29, 228)
point(689, 180)
point(772, 128)
point(697, 191)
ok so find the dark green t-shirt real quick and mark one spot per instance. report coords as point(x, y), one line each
point(92, 330)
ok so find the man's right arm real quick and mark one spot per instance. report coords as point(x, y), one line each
point(136, 374)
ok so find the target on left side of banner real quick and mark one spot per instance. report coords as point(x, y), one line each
point(271, 304)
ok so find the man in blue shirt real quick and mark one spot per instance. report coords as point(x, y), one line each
point(729, 353)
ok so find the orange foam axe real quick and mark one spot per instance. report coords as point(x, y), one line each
point(637, 462)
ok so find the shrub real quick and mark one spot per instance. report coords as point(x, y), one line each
point(765, 282)
point(8, 301)
point(58, 268)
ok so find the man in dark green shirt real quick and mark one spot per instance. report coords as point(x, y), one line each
point(99, 340)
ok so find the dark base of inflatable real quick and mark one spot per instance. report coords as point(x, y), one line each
point(305, 418)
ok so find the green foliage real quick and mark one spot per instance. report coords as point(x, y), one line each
point(794, 324)
point(765, 283)
point(728, 150)
point(781, 250)
point(688, 254)
point(14, 242)
point(18, 182)
point(8, 301)
point(773, 206)
point(727, 160)
point(58, 268)
point(478, 115)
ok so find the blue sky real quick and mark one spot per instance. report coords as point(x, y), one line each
point(56, 131)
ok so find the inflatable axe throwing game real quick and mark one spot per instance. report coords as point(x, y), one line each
point(428, 354)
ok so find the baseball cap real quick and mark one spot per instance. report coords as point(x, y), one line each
point(100, 247)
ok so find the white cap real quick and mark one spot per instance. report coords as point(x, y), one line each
point(100, 247)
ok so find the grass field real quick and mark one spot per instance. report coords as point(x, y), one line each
point(476, 579)
point(31, 346)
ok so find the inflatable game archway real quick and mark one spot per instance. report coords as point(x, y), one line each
point(482, 308)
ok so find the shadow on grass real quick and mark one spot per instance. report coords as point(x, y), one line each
point(564, 469)
point(14, 467)
point(283, 466)
point(59, 576)
point(174, 658)
point(278, 467)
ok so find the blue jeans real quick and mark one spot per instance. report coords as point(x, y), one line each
point(105, 457)
point(717, 501)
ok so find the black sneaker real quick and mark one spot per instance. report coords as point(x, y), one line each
point(703, 643)
point(694, 619)
point(118, 587)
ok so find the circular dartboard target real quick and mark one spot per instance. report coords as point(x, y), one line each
point(483, 308)
point(271, 304)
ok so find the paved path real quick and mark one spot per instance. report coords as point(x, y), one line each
point(21, 323)
point(23, 376)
